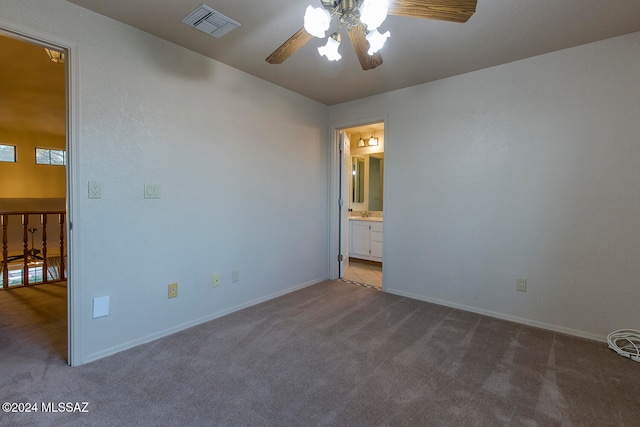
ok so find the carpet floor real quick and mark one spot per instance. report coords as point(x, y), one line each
point(333, 354)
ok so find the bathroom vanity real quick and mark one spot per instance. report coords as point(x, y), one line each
point(365, 238)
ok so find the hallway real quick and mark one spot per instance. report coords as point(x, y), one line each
point(33, 324)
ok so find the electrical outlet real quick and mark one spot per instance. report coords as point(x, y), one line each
point(173, 290)
point(95, 190)
point(521, 285)
point(235, 276)
point(216, 280)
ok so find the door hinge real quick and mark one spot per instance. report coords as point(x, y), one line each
point(340, 258)
point(70, 225)
point(340, 202)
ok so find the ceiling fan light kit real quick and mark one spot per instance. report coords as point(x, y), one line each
point(376, 40)
point(330, 50)
point(369, 13)
point(361, 18)
point(317, 21)
point(373, 13)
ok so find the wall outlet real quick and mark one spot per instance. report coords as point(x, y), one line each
point(521, 285)
point(235, 276)
point(216, 280)
point(95, 190)
point(173, 290)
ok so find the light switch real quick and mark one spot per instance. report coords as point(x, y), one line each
point(151, 191)
point(100, 307)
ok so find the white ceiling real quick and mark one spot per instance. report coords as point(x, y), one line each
point(366, 130)
point(418, 51)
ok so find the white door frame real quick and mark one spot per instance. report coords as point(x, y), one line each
point(344, 208)
point(335, 161)
point(72, 171)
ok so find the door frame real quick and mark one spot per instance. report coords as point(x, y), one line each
point(343, 208)
point(70, 48)
point(335, 162)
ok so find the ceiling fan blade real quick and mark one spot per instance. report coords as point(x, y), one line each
point(289, 47)
point(443, 10)
point(361, 45)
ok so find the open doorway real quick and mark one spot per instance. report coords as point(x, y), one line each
point(33, 198)
point(362, 194)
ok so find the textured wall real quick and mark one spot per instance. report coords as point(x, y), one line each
point(242, 167)
point(530, 169)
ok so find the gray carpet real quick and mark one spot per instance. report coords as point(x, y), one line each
point(334, 354)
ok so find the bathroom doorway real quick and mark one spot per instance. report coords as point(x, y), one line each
point(362, 195)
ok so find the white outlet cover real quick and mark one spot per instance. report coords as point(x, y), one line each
point(100, 307)
point(95, 190)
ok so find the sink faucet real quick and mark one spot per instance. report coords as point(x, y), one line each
point(365, 214)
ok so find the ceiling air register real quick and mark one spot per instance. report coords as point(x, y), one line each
point(210, 21)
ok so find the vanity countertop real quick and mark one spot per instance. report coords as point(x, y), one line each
point(366, 218)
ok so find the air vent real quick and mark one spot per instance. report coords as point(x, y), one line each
point(210, 21)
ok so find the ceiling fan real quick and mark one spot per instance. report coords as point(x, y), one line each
point(362, 19)
point(32, 256)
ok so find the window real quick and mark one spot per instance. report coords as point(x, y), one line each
point(16, 276)
point(49, 156)
point(7, 153)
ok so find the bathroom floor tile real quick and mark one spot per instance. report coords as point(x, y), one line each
point(364, 272)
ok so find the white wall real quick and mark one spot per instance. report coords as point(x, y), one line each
point(530, 169)
point(242, 166)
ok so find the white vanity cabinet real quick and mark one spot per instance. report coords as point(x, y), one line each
point(365, 239)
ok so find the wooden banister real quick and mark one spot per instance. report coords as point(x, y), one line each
point(62, 268)
point(25, 242)
point(45, 263)
point(5, 253)
point(23, 262)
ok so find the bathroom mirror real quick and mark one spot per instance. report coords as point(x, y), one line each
point(376, 176)
point(357, 183)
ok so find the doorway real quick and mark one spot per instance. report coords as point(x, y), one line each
point(361, 221)
point(35, 124)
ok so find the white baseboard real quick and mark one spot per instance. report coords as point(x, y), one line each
point(502, 316)
point(169, 331)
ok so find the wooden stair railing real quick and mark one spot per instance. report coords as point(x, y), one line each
point(47, 262)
